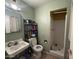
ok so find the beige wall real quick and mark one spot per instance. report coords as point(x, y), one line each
point(28, 12)
point(42, 17)
point(59, 26)
point(57, 29)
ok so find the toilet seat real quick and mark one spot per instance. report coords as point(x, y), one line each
point(38, 48)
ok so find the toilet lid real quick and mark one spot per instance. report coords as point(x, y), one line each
point(38, 48)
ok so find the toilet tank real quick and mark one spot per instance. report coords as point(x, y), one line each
point(33, 41)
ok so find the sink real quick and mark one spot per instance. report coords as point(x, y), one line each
point(13, 50)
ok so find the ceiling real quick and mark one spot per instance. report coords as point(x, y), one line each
point(19, 3)
point(32, 3)
point(36, 3)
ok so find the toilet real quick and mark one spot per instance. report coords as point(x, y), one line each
point(37, 49)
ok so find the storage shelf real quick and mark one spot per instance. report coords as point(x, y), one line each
point(30, 28)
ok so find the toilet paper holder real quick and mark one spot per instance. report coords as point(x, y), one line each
point(45, 41)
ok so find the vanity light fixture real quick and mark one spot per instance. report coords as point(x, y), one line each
point(13, 6)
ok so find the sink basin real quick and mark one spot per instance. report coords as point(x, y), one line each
point(16, 49)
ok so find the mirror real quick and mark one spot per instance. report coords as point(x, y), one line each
point(12, 21)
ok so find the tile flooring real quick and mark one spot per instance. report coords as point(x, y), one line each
point(44, 56)
point(47, 56)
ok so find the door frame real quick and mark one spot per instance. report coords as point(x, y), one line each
point(62, 10)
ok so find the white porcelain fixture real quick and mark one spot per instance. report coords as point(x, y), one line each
point(36, 48)
point(13, 50)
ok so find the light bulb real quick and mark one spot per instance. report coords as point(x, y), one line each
point(14, 6)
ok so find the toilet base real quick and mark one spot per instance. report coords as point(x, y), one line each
point(37, 55)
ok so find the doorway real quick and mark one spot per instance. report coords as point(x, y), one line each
point(58, 30)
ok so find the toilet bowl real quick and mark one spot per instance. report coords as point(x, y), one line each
point(37, 49)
